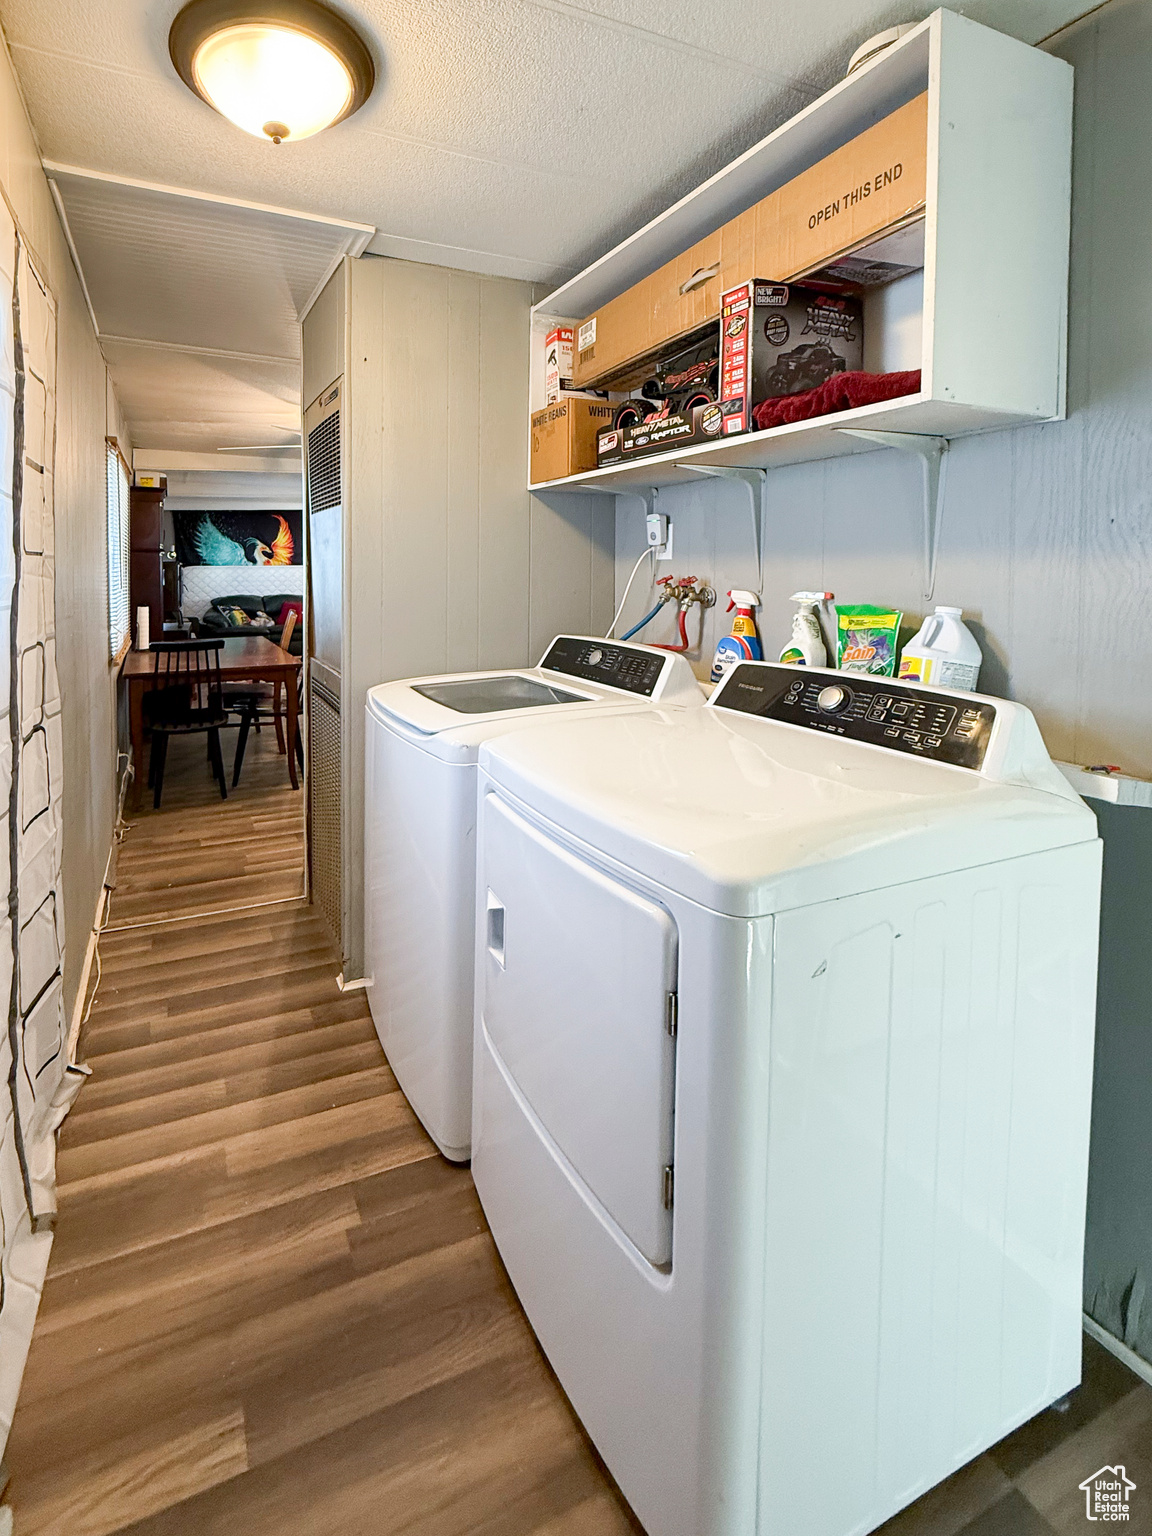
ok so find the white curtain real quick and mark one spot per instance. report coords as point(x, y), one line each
point(36, 1085)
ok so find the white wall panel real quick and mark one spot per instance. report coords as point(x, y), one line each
point(465, 366)
point(324, 338)
point(451, 565)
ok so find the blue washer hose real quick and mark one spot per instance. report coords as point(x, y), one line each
point(648, 617)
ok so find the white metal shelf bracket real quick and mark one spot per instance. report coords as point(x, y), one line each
point(930, 451)
point(756, 480)
point(648, 497)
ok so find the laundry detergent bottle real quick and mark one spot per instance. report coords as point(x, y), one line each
point(807, 648)
point(944, 651)
point(743, 644)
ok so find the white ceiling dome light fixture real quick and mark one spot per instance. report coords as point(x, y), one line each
point(877, 44)
point(279, 69)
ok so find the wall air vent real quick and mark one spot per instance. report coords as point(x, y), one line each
point(324, 488)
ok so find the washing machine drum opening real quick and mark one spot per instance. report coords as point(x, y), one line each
point(488, 695)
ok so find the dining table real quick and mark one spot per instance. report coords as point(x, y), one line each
point(244, 659)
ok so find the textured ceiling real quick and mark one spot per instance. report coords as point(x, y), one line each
point(521, 138)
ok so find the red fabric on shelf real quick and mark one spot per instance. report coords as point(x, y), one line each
point(287, 608)
point(842, 392)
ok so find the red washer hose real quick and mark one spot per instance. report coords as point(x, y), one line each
point(683, 635)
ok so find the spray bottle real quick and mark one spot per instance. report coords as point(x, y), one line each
point(743, 644)
point(807, 648)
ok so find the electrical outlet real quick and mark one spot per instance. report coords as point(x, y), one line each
point(660, 535)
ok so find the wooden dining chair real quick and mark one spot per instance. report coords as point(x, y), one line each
point(186, 698)
point(250, 710)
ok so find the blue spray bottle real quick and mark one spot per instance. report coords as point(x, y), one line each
point(743, 644)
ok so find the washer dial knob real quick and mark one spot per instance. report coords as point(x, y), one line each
point(832, 698)
point(595, 657)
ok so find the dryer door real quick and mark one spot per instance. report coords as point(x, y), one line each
point(578, 984)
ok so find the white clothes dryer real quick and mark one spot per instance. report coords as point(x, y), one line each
point(422, 738)
point(784, 1028)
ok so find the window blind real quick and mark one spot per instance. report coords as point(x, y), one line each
point(119, 557)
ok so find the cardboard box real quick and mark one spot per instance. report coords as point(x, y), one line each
point(563, 438)
point(780, 339)
point(557, 363)
point(873, 183)
point(886, 258)
point(705, 424)
point(642, 321)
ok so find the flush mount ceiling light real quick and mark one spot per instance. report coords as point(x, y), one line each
point(279, 69)
point(878, 44)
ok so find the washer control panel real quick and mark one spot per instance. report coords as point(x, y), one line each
point(605, 661)
point(900, 716)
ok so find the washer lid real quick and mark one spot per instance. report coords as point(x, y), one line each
point(749, 816)
point(576, 673)
point(495, 695)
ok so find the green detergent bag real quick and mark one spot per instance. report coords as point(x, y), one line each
point(866, 638)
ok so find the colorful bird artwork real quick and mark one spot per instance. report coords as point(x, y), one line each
point(215, 548)
point(283, 546)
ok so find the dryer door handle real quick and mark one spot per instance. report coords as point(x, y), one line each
point(496, 928)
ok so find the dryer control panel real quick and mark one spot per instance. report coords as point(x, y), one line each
point(605, 661)
point(900, 716)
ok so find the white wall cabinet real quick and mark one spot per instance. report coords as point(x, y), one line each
point(985, 321)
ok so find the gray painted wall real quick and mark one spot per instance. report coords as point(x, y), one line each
point(1118, 1258)
point(1047, 544)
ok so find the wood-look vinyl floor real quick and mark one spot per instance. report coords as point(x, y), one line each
point(199, 853)
point(272, 1307)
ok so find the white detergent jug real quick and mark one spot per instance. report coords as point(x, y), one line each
point(944, 651)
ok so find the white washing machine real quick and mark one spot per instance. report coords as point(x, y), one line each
point(783, 1064)
point(422, 738)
